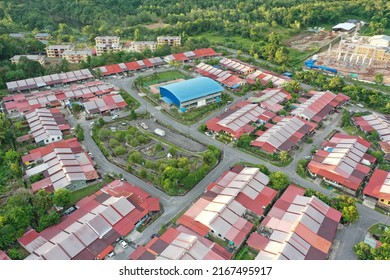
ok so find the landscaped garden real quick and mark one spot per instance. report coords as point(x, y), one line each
point(169, 167)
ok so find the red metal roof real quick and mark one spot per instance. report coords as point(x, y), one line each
point(3, 256)
point(105, 252)
point(28, 237)
point(374, 185)
point(312, 238)
point(257, 241)
point(180, 57)
point(205, 52)
point(170, 235)
point(291, 193)
point(147, 63)
point(197, 227)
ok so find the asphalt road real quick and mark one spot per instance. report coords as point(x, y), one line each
point(174, 205)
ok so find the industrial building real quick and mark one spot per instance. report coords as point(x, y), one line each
point(180, 244)
point(18, 105)
point(223, 209)
point(296, 228)
point(266, 77)
point(284, 135)
point(271, 98)
point(378, 188)
point(191, 55)
point(343, 162)
point(191, 93)
point(225, 78)
point(63, 164)
point(46, 126)
point(319, 105)
point(374, 122)
point(90, 232)
point(49, 80)
point(107, 103)
point(238, 119)
point(237, 66)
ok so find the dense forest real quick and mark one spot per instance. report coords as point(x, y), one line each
point(245, 18)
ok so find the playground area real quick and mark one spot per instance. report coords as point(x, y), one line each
point(155, 89)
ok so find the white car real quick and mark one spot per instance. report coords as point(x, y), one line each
point(144, 126)
point(115, 117)
point(123, 244)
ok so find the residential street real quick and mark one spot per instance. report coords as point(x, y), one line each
point(174, 205)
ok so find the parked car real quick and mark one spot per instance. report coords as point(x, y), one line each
point(123, 244)
point(111, 254)
point(115, 117)
point(144, 126)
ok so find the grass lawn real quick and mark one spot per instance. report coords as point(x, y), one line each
point(162, 77)
point(216, 38)
point(245, 253)
point(87, 191)
point(378, 229)
point(297, 57)
point(217, 240)
point(352, 130)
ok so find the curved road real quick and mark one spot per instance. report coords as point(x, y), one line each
point(174, 205)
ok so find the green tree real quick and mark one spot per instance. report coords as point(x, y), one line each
point(278, 180)
point(336, 83)
point(62, 198)
point(244, 141)
point(47, 220)
point(15, 254)
point(284, 156)
point(281, 55)
point(379, 78)
point(137, 34)
point(363, 251)
point(42, 202)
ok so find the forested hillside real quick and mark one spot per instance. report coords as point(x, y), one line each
point(245, 18)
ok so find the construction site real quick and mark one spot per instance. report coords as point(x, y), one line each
point(359, 57)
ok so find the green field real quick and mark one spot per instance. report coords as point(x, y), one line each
point(87, 191)
point(161, 77)
point(378, 229)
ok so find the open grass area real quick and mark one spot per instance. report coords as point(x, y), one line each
point(378, 229)
point(218, 39)
point(353, 130)
point(161, 77)
point(217, 240)
point(245, 253)
point(87, 191)
point(297, 57)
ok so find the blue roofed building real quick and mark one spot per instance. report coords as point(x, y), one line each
point(191, 93)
